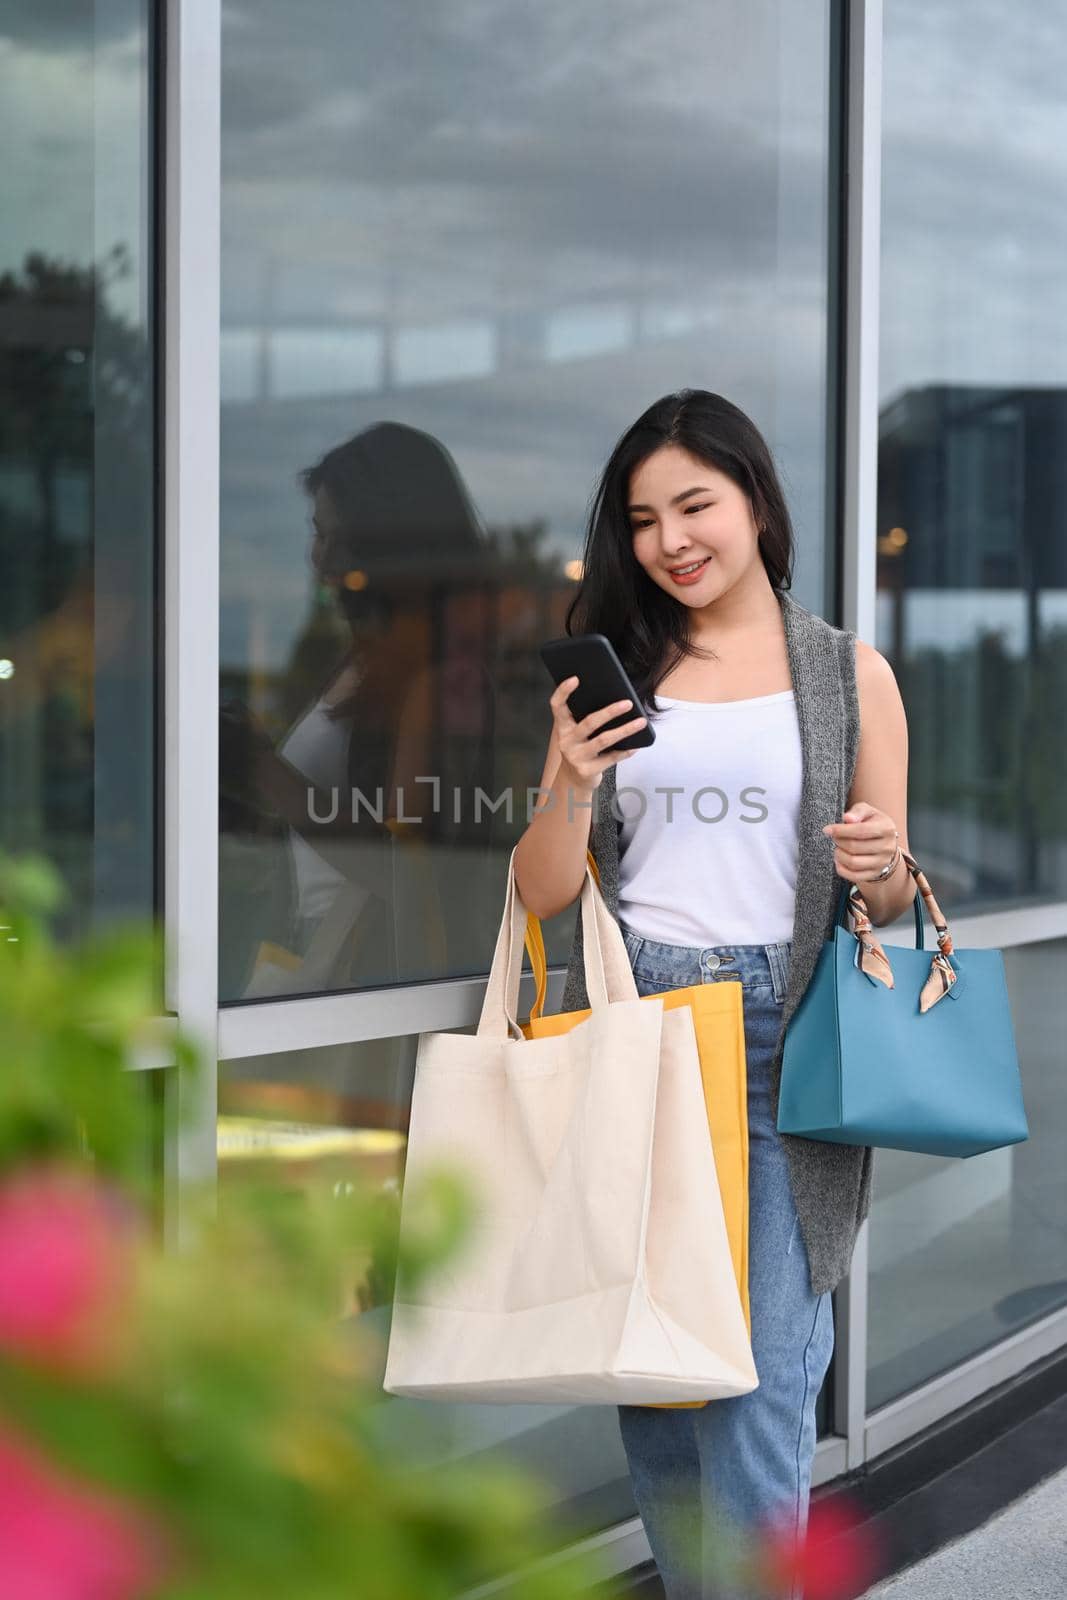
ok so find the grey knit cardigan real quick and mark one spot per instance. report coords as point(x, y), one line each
point(831, 1183)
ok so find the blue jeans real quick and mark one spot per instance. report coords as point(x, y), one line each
point(705, 1477)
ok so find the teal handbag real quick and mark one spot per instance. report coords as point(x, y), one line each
point(915, 1055)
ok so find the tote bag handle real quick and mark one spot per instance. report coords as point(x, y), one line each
point(535, 948)
point(608, 974)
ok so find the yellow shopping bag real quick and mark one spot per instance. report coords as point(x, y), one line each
point(718, 1019)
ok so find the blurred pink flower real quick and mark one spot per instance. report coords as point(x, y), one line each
point(836, 1558)
point(60, 1540)
point(66, 1270)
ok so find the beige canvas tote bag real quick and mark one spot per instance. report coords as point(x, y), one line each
point(600, 1269)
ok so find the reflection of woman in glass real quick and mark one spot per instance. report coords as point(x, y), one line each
point(397, 543)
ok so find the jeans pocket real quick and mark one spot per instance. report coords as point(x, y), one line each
point(656, 983)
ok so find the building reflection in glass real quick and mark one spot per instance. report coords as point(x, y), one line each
point(972, 580)
point(77, 455)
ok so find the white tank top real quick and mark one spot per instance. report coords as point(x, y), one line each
point(731, 877)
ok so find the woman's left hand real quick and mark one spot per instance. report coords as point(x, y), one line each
point(865, 841)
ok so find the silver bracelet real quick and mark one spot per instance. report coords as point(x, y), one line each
point(888, 870)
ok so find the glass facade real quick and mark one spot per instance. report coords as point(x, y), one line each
point(972, 490)
point(965, 1253)
point(972, 614)
point(318, 1117)
point(442, 301)
point(77, 451)
point(461, 251)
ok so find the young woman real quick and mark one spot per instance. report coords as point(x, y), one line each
point(779, 739)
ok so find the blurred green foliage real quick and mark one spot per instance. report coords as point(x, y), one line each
point(233, 1407)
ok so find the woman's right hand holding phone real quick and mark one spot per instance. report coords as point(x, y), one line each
point(585, 751)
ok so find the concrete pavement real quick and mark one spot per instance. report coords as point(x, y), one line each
point(1019, 1554)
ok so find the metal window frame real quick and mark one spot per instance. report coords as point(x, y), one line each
point(859, 380)
point(190, 540)
point(191, 130)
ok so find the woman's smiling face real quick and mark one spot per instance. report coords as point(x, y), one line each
point(683, 511)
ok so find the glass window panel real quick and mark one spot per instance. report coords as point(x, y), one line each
point(463, 248)
point(277, 1114)
point(972, 591)
point(965, 1253)
point(972, 491)
point(77, 453)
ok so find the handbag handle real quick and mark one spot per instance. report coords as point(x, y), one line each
point(944, 975)
point(851, 897)
point(608, 974)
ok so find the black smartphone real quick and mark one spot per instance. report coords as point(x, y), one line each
point(602, 679)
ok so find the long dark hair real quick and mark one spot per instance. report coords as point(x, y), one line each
point(616, 597)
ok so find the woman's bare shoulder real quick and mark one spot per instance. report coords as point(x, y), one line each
point(876, 684)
